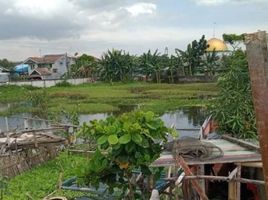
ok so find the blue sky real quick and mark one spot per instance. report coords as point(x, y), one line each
point(38, 27)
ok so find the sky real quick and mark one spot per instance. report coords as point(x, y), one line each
point(39, 27)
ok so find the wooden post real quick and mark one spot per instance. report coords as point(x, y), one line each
point(181, 162)
point(232, 189)
point(232, 192)
point(257, 55)
point(238, 184)
point(7, 125)
point(201, 171)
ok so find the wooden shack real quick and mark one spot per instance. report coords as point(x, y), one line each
point(235, 175)
point(22, 151)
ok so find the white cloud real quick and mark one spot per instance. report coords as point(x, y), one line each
point(141, 8)
point(210, 2)
point(220, 2)
point(39, 8)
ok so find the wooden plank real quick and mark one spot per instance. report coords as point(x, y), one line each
point(224, 178)
point(233, 173)
point(238, 184)
point(257, 54)
point(242, 143)
point(232, 187)
point(167, 159)
point(232, 191)
point(252, 164)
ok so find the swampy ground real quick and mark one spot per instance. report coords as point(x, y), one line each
point(89, 99)
point(101, 97)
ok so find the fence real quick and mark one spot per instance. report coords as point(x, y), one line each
point(48, 83)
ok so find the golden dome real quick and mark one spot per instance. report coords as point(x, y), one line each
point(216, 44)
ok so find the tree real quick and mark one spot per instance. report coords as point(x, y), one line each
point(233, 39)
point(7, 64)
point(85, 66)
point(192, 56)
point(210, 64)
point(125, 143)
point(148, 63)
point(116, 65)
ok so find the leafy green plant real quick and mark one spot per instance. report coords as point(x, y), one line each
point(233, 108)
point(116, 65)
point(234, 40)
point(128, 142)
point(3, 187)
point(43, 179)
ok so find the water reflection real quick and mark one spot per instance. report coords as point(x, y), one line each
point(184, 118)
point(19, 122)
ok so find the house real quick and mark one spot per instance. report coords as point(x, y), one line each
point(41, 73)
point(55, 65)
point(4, 74)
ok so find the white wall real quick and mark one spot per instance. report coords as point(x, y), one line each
point(48, 83)
point(4, 77)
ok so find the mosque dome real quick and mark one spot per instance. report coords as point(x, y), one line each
point(216, 44)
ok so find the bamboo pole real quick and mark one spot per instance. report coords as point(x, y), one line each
point(257, 56)
point(224, 178)
point(181, 162)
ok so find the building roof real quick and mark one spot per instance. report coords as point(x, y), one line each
point(2, 69)
point(47, 59)
point(217, 45)
point(233, 153)
point(41, 71)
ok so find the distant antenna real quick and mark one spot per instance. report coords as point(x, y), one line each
point(40, 52)
point(166, 51)
point(214, 29)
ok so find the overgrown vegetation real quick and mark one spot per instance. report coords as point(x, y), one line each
point(99, 97)
point(125, 143)
point(63, 83)
point(3, 187)
point(38, 101)
point(42, 180)
point(233, 108)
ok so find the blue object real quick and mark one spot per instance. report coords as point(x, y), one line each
point(21, 68)
point(100, 193)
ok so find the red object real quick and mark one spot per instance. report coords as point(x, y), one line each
point(254, 189)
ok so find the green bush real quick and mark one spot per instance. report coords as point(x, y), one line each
point(63, 83)
point(233, 108)
point(125, 143)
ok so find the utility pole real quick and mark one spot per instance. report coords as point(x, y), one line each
point(257, 56)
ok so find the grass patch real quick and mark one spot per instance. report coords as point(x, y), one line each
point(42, 180)
point(103, 97)
point(84, 108)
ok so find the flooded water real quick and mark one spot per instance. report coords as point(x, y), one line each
point(184, 118)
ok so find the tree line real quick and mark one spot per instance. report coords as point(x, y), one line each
point(119, 65)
